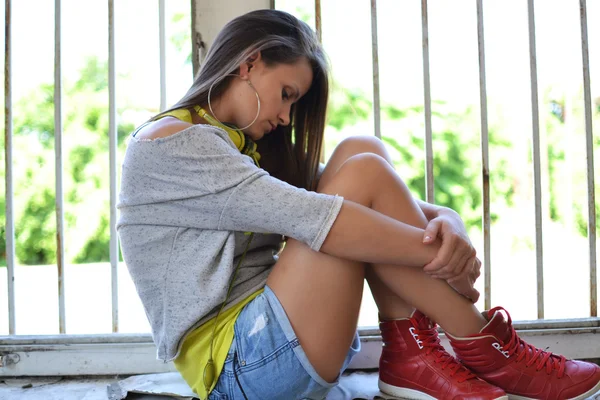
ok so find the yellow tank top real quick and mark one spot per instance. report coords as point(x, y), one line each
point(196, 348)
point(243, 143)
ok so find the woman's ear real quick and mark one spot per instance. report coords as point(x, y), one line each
point(250, 64)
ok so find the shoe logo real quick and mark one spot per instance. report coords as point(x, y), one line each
point(416, 337)
point(499, 348)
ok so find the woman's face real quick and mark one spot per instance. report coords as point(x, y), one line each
point(278, 86)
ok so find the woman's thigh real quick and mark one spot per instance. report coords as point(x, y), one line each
point(266, 360)
point(321, 294)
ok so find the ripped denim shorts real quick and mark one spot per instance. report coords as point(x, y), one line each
point(266, 361)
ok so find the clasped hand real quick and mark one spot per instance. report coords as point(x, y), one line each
point(456, 261)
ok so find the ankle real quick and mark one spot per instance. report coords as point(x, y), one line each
point(390, 315)
point(466, 325)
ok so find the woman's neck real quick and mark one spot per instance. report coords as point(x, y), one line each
point(197, 119)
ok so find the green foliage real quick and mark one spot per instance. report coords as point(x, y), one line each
point(85, 170)
point(347, 108)
point(34, 115)
point(36, 232)
point(456, 165)
point(181, 38)
point(456, 147)
point(564, 134)
point(93, 77)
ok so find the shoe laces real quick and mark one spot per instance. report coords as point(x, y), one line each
point(430, 341)
point(529, 353)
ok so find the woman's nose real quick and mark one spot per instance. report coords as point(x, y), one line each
point(284, 116)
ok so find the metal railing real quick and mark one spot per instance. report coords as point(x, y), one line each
point(58, 135)
point(58, 101)
point(485, 139)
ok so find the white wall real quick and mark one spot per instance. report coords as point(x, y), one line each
point(209, 16)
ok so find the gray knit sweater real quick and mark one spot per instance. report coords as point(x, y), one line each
point(185, 202)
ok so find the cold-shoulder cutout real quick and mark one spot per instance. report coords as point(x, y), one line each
point(162, 128)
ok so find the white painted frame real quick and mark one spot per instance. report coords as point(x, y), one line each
point(75, 355)
point(120, 354)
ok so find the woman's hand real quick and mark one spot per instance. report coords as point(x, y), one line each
point(456, 254)
point(464, 282)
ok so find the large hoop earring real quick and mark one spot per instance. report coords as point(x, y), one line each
point(255, 92)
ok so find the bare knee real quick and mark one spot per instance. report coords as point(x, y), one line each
point(348, 148)
point(362, 144)
point(360, 178)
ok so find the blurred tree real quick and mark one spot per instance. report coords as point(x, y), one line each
point(456, 145)
point(85, 170)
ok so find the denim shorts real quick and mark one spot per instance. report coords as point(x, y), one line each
point(266, 359)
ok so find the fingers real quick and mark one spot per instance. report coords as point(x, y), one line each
point(473, 295)
point(477, 269)
point(431, 231)
point(443, 257)
point(465, 288)
point(469, 269)
point(452, 258)
point(455, 267)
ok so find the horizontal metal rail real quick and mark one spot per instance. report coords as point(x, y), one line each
point(136, 354)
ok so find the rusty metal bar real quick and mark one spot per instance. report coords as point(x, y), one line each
point(589, 140)
point(318, 20)
point(112, 132)
point(536, 161)
point(375, 52)
point(485, 159)
point(58, 150)
point(427, 92)
point(8, 180)
point(196, 42)
point(163, 54)
point(318, 28)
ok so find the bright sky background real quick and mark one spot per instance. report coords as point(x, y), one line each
point(85, 33)
point(347, 40)
point(453, 46)
point(453, 49)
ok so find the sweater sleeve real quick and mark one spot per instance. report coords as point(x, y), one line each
point(198, 179)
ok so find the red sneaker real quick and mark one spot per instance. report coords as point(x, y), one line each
point(500, 357)
point(415, 365)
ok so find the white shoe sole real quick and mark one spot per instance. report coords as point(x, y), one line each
point(590, 394)
point(411, 394)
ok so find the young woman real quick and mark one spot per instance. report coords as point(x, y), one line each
point(211, 189)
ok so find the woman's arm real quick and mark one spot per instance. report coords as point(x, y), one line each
point(431, 211)
point(362, 234)
point(198, 180)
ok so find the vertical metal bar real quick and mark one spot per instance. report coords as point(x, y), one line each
point(485, 160)
point(163, 54)
point(589, 139)
point(112, 132)
point(375, 51)
point(196, 42)
point(536, 161)
point(272, 4)
point(8, 153)
point(318, 27)
point(427, 88)
point(318, 20)
point(58, 149)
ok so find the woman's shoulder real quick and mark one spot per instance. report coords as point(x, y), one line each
point(169, 129)
point(161, 128)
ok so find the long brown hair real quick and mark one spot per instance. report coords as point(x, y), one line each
point(281, 39)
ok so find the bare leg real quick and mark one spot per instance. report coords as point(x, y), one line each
point(321, 294)
point(389, 304)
